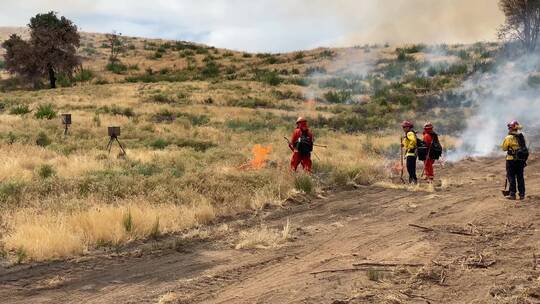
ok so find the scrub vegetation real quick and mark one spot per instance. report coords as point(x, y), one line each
point(189, 117)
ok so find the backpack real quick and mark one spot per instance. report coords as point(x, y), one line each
point(522, 153)
point(304, 145)
point(421, 149)
point(436, 149)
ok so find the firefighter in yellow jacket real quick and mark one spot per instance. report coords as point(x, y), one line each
point(516, 160)
point(409, 144)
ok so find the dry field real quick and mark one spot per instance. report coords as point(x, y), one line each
point(205, 177)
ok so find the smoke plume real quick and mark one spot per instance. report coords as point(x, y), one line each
point(509, 92)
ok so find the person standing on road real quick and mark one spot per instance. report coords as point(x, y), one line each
point(409, 143)
point(302, 145)
point(516, 159)
point(428, 163)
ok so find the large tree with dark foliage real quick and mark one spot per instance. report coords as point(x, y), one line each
point(50, 50)
point(522, 22)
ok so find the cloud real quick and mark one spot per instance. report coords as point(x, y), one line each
point(275, 25)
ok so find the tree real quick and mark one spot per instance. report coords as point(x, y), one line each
point(522, 22)
point(51, 49)
point(19, 59)
point(117, 45)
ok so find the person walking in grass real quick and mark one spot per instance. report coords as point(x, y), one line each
point(301, 145)
point(409, 144)
point(516, 160)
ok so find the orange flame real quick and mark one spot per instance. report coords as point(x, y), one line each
point(260, 156)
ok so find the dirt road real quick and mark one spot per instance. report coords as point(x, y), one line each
point(462, 243)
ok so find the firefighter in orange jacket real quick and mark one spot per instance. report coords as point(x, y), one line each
point(301, 144)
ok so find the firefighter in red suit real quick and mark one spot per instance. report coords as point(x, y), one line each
point(428, 163)
point(301, 144)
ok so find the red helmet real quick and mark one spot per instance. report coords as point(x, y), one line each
point(407, 124)
point(301, 119)
point(513, 125)
point(428, 126)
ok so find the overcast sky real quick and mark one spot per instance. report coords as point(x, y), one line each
point(278, 25)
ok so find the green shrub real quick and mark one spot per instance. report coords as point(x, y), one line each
point(20, 255)
point(304, 183)
point(117, 67)
point(251, 103)
point(161, 98)
point(194, 119)
point(337, 96)
point(269, 77)
point(84, 75)
point(19, 110)
point(247, 55)
point(101, 81)
point(197, 145)
point(127, 221)
point(211, 70)
point(159, 144)
point(272, 60)
point(11, 191)
point(42, 139)
point(46, 171)
point(315, 70)
point(327, 54)
point(299, 55)
point(457, 69)
point(2, 65)
point(64, 80)
point(45, 111)
point(128, 112)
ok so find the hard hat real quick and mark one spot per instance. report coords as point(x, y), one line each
point(514, 124)
point(301, 119)
point(407, 124)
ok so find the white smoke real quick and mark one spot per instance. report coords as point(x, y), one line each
point(505, 94)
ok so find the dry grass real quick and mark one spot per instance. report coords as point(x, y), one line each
point(264, 237)
point(53, 235)
point(169, 298)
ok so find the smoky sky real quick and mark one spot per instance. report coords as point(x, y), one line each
point(278, 25)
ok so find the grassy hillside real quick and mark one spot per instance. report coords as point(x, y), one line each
point(191, 116)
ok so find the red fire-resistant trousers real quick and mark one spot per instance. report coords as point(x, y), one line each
point(428, 168)
point(297, 159)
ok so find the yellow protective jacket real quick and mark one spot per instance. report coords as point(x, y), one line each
point(409, 144)
point(510, 143)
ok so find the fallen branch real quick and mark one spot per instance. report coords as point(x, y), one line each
point(375, 264)
point(428, 229)
point(422, 227)
point(336, 270)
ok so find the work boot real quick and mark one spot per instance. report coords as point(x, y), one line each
point(521, 197)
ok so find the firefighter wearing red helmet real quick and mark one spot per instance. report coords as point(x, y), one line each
point(429, 135)
point(302, 145)
point(516, 160)
point(409, 143)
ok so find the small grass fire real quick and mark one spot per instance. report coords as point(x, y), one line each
point(260, 158)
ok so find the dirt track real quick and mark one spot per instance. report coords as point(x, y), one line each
point(469, 246)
